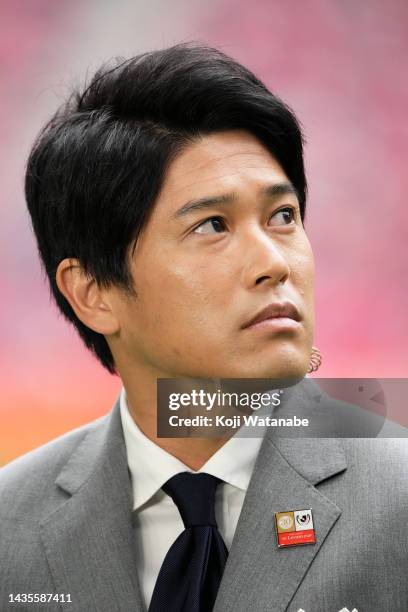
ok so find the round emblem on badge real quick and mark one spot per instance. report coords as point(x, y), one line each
point(285, 522)
point(303, 519)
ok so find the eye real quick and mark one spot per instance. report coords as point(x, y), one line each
point(284, 216)
point(214, 225)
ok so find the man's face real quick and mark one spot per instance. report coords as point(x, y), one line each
point(202, 272)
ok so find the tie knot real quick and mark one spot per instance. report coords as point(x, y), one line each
point(194, 496)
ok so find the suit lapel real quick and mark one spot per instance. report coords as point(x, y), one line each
point(88, 539)
point(258, 575)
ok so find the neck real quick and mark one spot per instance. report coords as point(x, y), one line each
point(141, 394)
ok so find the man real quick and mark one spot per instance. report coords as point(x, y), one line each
point(168, 201)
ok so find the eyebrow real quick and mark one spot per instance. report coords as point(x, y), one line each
point(270, 191)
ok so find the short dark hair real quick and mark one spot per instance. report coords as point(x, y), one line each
point(97, 167)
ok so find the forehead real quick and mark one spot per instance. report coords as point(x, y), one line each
point(226, 161)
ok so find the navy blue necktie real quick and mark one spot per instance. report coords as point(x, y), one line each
point(191, 572)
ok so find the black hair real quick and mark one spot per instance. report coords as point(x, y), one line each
point(97, 167)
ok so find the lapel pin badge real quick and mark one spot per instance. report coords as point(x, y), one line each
point(295, 528)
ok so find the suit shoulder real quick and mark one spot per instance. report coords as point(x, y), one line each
point(386, 453)
point(377, 466)
point(28, 476)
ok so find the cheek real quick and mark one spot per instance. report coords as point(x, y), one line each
point(303, 279)
point(303, 276)
point(196, 283)
point(181, 295)
point(303, 269)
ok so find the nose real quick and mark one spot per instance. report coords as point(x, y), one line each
point(264, 260)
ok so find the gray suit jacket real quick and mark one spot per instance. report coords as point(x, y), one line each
point(66, 526)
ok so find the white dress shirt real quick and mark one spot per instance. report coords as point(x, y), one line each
point(157, 520)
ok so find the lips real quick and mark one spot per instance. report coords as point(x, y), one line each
point(276, 310)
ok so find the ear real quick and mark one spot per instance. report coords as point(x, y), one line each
point(89, 301)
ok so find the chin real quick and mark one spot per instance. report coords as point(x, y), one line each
point(291, 374)
point(282, 370)
point(291, 367)
point(287, 364)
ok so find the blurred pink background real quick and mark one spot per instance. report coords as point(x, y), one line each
point(340, 65)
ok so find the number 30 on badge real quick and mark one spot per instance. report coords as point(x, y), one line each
point(294, 528)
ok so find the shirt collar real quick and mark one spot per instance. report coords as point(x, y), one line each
point(151, 466)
